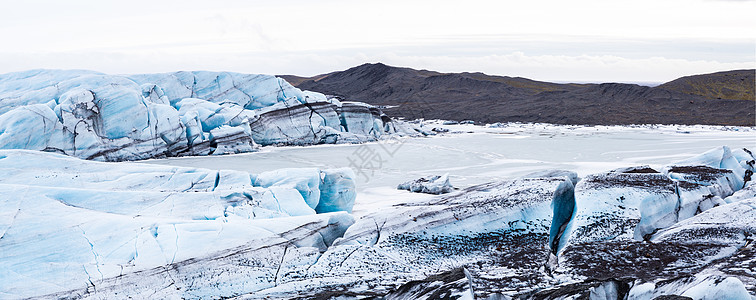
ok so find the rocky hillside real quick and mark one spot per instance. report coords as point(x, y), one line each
point(414, 94)
point(738, 84)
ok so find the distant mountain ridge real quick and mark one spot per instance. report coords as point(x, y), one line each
point(485, 98)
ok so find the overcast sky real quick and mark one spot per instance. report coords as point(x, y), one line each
point(577, 40)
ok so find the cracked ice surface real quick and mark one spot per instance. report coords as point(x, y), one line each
point(97, 116)
point(69, 224)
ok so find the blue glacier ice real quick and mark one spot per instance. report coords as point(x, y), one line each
point(562, 203)
point(73, 224)
point(306, 181)
point(211, 115)
point(324, 191)
point(105, 117)
point(337, 190)
point(250, 91)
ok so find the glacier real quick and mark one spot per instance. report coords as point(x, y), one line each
point(104, 117)
point(75, 224)
point(72, 228)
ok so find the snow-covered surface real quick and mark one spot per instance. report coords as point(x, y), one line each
point(479, 154)
point(97, 116)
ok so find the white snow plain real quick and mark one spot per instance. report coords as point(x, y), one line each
point(473, 154)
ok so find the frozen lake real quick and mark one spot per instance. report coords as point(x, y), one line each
point(477, 155)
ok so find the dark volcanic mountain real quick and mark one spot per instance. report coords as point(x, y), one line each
point(484, 98)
